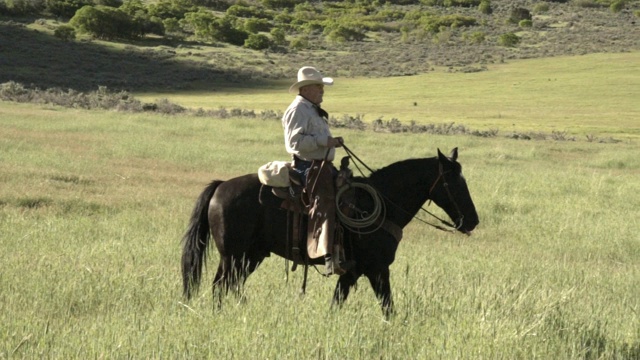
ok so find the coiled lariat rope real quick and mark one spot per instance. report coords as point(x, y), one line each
point(361, 218)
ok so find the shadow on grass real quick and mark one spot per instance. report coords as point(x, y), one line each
point(38, 59)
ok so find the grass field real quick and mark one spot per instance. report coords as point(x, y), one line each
point(588, 95)
point(93, 206)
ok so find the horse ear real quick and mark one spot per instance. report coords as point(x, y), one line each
point(454, 154)
point(442, 158)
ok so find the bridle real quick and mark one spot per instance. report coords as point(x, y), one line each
point(441, 172)
point(445, 184)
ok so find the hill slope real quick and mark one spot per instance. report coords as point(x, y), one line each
point(30, 54)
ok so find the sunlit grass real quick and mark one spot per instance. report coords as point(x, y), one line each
point(91, 225)
point(592, 94)
point(93, 206)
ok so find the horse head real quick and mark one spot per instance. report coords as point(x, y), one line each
point(450, 192)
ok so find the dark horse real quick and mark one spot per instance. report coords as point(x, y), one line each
point(245, 232)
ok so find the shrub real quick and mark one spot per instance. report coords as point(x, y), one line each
point(476, 37)
point(65, 8)
point(65, 32)
point(100, 99)
point(199, 22)
point(171, 25)
point(248, 12)
point(485, 7)
point(541, 8)
point(133, 7)
point(509, 39)
point(617, 6)
point(208, 26)
point(169, 9)
point(281, 4)
point(257, 25)
point(224, 30)
point(21, 7)
point(435, 24)
point(301, 42)
point(341, 31)
point(106, 23)
point(257, 42)
point(278, 36)
point(111, 3)
point(525, 23)
point(519, 14)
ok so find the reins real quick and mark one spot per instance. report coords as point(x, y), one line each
point(441, 173)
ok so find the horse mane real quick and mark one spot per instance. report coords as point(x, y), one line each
point(395, 174)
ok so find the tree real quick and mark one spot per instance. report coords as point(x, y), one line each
point(65, 8)
point(106, 22)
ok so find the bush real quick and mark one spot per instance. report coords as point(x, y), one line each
point(65, 8)
point(257, 25)
point(199, 22)
point(100, 99)
point(208, 26)
point(509, 39)
point(525, 23)
point(617, 6)
point(21, 7)
point(339, 31)
point(171, 25)
point(224, 30)
point(278, 36)
point(519, 14)
point(476, 37)
point(299, 43)
point(485, 7)
point(65, 32)
point(541, 8)
point(281, 4)
point(169, 9)
point(248, 12)
point(106, 23)
point(257, 42)
point(435, 24)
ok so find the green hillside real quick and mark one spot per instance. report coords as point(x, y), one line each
point(366, 39)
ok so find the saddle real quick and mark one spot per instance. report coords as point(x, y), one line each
point(294, 199)
point(285, 197)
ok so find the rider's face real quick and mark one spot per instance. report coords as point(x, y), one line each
point(313, 93)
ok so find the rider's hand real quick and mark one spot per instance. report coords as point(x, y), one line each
point(335, 141)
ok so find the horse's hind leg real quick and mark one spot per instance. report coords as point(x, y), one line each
point(232, 273)
point(221, 283)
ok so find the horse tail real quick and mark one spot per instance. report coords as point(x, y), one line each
point(196, 241)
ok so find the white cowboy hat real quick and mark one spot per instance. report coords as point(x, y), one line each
point(308, 75)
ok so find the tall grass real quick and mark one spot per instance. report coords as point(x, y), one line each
point(93, 205)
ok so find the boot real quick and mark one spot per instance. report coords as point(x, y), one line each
point(332, 267)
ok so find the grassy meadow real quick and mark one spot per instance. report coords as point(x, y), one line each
point(93, 205)
point(594, 94)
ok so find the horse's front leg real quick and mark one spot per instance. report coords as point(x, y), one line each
point(382, 287)
point(344, 285)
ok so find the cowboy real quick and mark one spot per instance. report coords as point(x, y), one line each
point(309, 141)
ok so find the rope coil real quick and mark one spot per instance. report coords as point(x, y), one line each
point(362, 219)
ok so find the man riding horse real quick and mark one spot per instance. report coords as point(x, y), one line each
point(309, 141)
